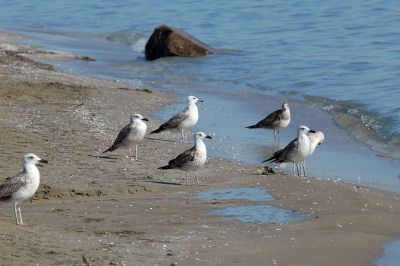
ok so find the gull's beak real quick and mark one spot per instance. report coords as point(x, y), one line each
point(145, 119)
point(312, 131)
point(201, 101)
point(208, 137)
point(43, 161)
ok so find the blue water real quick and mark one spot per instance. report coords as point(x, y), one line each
point(391, 256)
point(338, 50)
point(251, 213)
point(252, 194)
point(260, 214)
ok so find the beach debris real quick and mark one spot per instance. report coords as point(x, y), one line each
point(167, 41)
point(85, 58)
point(268, 171)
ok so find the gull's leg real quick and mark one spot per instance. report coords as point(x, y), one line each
point(130, 152)
point(136, 152)
point(186, 178)
point(278, 136)
point(298, 170)
point(274, 136)
point(20, 215)
point(294, 169)
point(16, 212)
point(183, 135)
point(304, 167)
point(301, 169)
point(197, 178)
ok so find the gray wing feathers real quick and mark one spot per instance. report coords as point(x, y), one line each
point(284, 155)
point(181, 159)
point(271, 119)
point(173, 122)
point(12, 184)
point(123, 134)
point(291, 148)
point(120, 138)
point(176, 120)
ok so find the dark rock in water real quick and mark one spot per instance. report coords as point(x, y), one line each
point(167, 41)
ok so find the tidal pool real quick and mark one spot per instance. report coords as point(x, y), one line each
point(262, 213)
point(251, 194)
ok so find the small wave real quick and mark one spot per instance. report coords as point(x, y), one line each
point(365, 126)
point(128, 37)
point(139, 45)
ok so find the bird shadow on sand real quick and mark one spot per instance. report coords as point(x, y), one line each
point(163, 182)
point(166, 140)
point(103, 157)
point(172, 183)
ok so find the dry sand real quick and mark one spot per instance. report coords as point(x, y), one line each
point(93, 209)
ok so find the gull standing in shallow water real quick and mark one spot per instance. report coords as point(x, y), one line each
point(132, 134)
point(184, 120)
point(295, 152)
point(22, 186)
point(275, 120)
point(192, 159)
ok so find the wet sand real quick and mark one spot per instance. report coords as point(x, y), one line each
point(96, 209)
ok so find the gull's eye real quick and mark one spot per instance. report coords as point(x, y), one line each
point(30, 157)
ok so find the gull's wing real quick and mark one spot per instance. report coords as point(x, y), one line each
point(173, 122)
point(284, 155)
point(272, 118)
point(268, 121)
point(12, 184)
point(183, 158)
point(120, 138)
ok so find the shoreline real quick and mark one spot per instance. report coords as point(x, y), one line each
point(119, 205)
point(341, 144)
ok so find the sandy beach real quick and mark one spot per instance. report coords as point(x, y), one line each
point(96, 209)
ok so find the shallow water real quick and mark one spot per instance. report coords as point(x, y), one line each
point(251, 194)
point(339, 157)
point(391, 255)
point(251, 213)
point(260, 214)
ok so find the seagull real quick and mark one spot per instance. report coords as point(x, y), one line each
point(23, 186)
point(296, 151)
point(184, 120)
point(316, 138)
point(275, 120)
point(132, 134)
point(191, 159)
